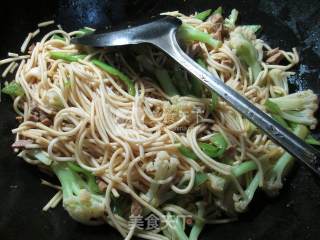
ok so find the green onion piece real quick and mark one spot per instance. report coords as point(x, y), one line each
point(84, 31)
point(116, 72)
point(189, 33)
point(203, 15)
point(200, 178)
point(66, 56)
point(13, 89)
point(311, 140)
point(272, 107)
point(166, 82)
point(58, 37)
point(187, 152)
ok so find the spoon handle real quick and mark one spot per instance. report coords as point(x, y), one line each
point(290, 142)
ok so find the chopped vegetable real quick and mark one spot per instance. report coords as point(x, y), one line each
point(311, 140)
point(214, 101)
point(166, 82)
point(243, 168)
point(187, 152)
point(113, 71)
point(84, 31)
point(181, 82)
point(200, 178)
point(246, 52)
point(199, 223)
point(13, 89)
point(218, 140)
point(298, 107)
point(79, 199)
point(103, 66)
point(219, 10)
point(240, 202)
point(189, 33)
point(66, 56)
point(276, 174)
point(203, 15)
point(280, 120)
point(230, 22)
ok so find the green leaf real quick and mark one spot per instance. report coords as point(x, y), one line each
point(272, 107)
point(200, 178)
point(13, 89)
point(311, 140)
point(203, 15)
point(187, 152)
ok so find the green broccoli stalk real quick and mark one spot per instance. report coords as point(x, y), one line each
point(217, 184)
point(246, 52)
point(298, 107)
point(175, 228)
point(230, 22)
point(80, 197)
point(241, 202)
point(199, 223)
point(164, 166)
point(275, 175)
point(279, 78)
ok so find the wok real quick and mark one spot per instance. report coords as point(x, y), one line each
point(294, 214)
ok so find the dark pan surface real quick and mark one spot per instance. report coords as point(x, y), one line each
point(293, 215)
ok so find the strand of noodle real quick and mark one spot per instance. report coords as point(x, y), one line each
point(187, 189)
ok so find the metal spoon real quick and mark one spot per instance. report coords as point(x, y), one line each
point(162, 33)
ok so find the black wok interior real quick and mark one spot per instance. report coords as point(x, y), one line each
point(294, 214)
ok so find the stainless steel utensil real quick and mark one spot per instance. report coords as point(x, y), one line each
point(162, 33)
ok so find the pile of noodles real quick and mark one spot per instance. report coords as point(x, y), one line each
point(118, 137)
